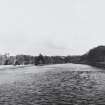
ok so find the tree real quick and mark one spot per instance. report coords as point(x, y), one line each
point(39, 60)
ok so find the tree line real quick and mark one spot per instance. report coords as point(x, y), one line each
point(93, 56)
point(36, 60)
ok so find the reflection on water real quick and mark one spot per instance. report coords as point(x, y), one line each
point(56, 88)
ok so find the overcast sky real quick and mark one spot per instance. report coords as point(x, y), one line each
point(51, 27)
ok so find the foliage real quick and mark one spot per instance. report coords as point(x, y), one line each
point(94, 55)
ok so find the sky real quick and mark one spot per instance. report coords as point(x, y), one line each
point(51, 27)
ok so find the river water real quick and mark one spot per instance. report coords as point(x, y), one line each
point(66, 84)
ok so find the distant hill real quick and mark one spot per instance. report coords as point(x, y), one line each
point(95, 56)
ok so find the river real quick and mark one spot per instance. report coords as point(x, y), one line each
point(61, 84)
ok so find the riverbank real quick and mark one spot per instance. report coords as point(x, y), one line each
point(100, 65)
point(6, 67)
